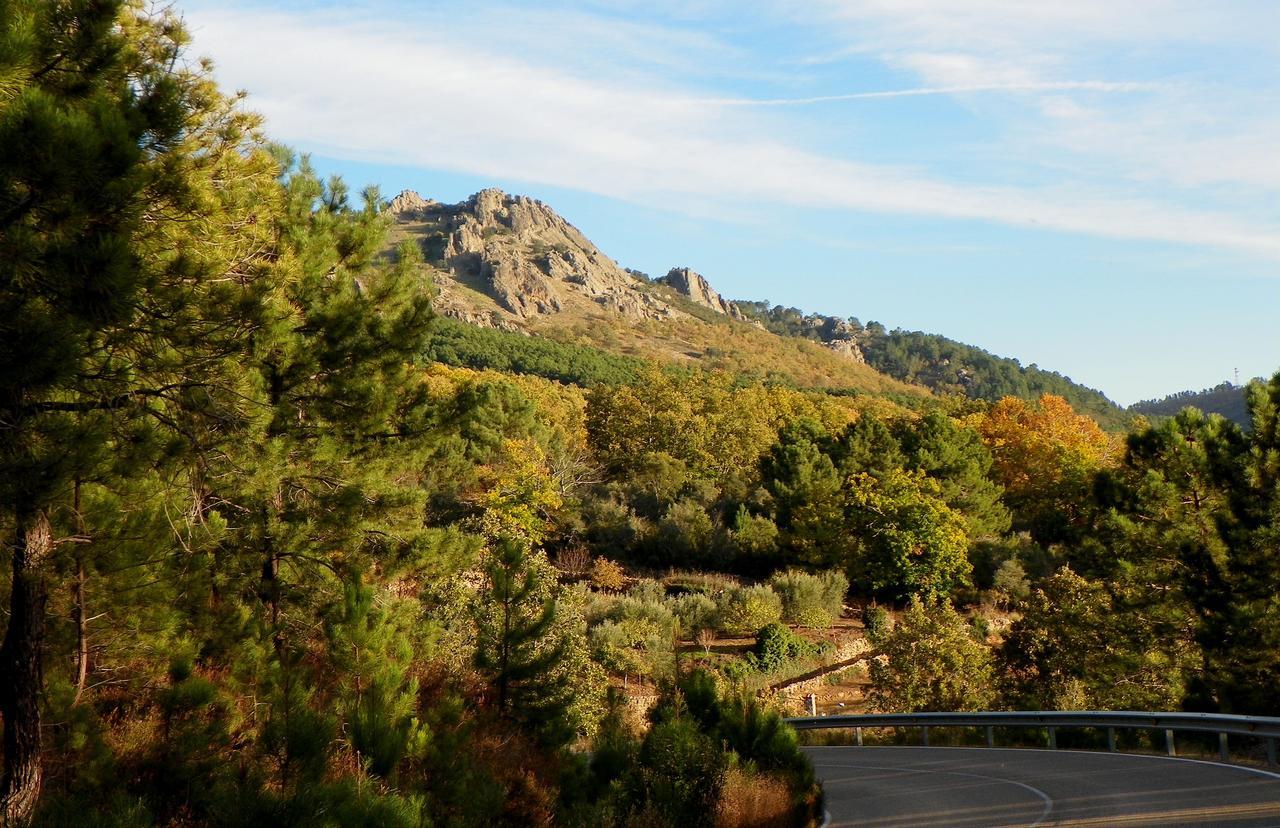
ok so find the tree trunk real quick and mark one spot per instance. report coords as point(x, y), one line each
point(22, 665)
point(77, 607)
point(82, 634)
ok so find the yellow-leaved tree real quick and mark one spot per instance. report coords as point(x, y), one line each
point(1045, 455)
point(519, 497)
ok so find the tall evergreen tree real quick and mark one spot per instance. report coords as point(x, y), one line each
point(517, 648)
point(369, 646)
point(321, 481)
point(115, 334)
point(1166, 509)
point(807, 494)
point(1234, 590)
point(1090, 645)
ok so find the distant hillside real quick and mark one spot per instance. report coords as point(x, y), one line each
point(936, 362)
point(1225, 399)
point(542, 298)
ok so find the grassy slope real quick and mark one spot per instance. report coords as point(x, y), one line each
point(722, 344)
point(704, 339)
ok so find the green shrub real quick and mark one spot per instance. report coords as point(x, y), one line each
point(707, 583)
point(648, 591)
point(876, 621)
point(656, 612)
point(677, 774)
point(981, 628)
point(759, 736)
point(776, 646)
point(694, 611)
point(635, 638)
point(632, 647)
point(685, 534)
point(755, 536)
point(811, 600)
point(748, 608)
point(459, 343)
point(1012, 582)
point(681, 773)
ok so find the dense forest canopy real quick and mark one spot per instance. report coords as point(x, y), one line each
point(288, 548)
point(458, 343)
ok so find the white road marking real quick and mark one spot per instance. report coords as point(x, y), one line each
point(1048, 801)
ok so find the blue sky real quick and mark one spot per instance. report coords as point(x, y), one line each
point(1092, 186)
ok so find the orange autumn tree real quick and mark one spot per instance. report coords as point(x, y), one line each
point(1045, 455)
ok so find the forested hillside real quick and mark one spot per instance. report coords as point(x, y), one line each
point(459, 343)
point(288, 547)
point(938, 363)
point(1225, 399)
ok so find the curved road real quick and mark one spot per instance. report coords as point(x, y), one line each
point(906, 787)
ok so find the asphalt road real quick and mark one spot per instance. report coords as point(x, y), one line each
point(910, 787)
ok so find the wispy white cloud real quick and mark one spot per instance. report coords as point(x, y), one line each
point(1209, 120)
point(1042, 86)
point(1016, 27)
point(418, 94)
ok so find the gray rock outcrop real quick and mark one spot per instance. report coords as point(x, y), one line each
point(408, 206)
point(523, 255)
point(847, 348)
point(695, 286)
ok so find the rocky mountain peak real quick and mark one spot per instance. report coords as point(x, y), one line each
point(694, 285)
point(490, 206)
point(409, 205)
point(524, 256)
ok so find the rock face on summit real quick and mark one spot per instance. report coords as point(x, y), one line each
point(699, 290)
point(521, 254)
point(409, 203)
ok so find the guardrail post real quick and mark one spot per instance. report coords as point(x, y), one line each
point(1053, 738)
point(1111, 739)
point(1271, 751)
point(858, 733)
point(1224, 752)
point(926, 735)
point(991, 736)
point(1168, 743)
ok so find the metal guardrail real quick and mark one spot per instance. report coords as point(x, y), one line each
point(1266, 728)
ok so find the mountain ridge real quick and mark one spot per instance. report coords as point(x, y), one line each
point(1226, 399)
point(511, 262)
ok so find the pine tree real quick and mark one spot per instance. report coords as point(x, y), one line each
point(806, 489)
point(957, 459)
point(517, 649)
point(372, 653)
point(115, 334)
point(1235, 590)
point(1171, 519)
point(322, 479)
